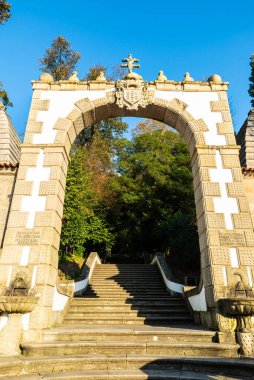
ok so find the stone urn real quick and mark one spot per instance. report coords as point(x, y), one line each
point(17, 304)
point(241, 308)
point(16, 301)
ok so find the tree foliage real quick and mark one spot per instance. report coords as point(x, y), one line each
point(59, 60)
point(251, 87)
point(5, 11)
point(94, 72)
point(83, 228)
point(133, 197)
point(4, 97)
point(155, 183)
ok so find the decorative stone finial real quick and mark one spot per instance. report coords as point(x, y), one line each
point(74, 77)
point(46, 77)
point(161, 77)
point(130, 63)
point(187, 78)
point(101, 77)
point(2, 106)
point(215, 78)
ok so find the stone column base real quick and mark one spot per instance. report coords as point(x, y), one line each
point(11, 335)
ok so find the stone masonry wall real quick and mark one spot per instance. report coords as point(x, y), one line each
point(7, 180)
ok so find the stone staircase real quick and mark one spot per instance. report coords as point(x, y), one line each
point(127, 326)
point(127, 295)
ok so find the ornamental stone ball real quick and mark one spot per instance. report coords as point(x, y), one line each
point(215, 78)
point(101, 77)
point(161, 76)
point(46, 77)
point(187, 78)
point(74, 77)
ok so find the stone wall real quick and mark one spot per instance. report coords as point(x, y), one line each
point(9, 159)
point(7, 180)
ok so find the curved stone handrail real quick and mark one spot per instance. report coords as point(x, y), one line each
point(86, 272)
point(64, 290)
point(194, 296)
point(171, 284)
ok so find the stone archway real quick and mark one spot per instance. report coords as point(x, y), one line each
point(199, 111)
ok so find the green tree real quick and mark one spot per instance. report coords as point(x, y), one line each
point(251, 87)
point(5, 11)
point(59, 60)
point(82, 229)
point(154, 196)
point(4, 97)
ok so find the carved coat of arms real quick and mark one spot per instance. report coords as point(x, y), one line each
point(132, 92)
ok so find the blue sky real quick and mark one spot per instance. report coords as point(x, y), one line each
point(200, 37)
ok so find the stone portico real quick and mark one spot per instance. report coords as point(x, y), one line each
point(59, 111)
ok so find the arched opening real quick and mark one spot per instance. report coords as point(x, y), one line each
point(171, 113)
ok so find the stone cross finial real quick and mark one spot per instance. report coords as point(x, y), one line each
point(130, 63)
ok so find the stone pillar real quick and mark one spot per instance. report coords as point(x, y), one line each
point(224, 221)
point(33, 233)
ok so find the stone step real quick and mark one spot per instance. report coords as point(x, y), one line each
point(125, 308)
point(137, 301)
point(178, 319)
point(126, 285)
point(128, 375)
point(125, 295)
point(127, 314)
point(125, 273)
point(95, 288)
point(135, 279)
point(119, 292)
point(130, 291)
point(130, 271)
point(138, 348)
point(238, 368)
point(109, 281)
point(107, 333)
point(120, 374)
point(125, 267)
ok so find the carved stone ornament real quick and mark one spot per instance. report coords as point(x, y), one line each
point(132, 93)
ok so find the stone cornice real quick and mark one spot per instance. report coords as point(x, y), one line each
point(157, 85)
